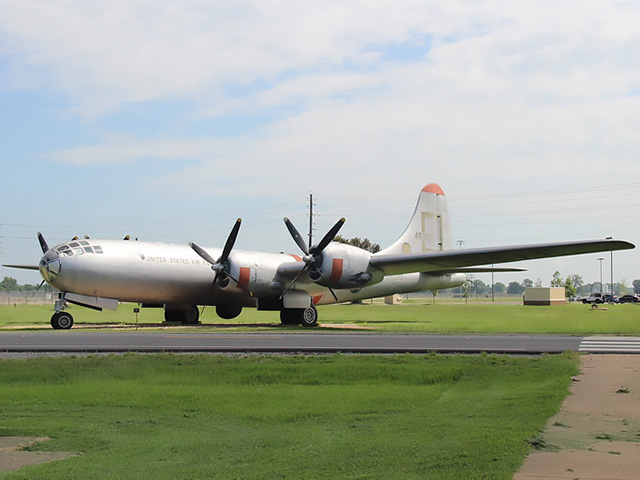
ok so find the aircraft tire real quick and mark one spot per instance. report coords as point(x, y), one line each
point(309, 316)
point(188, 316)
point(172, 316)
point(288, 316)
point(61, 321)
point(191, 316)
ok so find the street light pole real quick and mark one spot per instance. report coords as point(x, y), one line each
point(600, 259)
point(610, 238)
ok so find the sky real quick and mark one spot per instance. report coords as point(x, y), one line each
point(167, 120)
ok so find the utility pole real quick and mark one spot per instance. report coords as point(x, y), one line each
point(310, 219)
point(493, 291)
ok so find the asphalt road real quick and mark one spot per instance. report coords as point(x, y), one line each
point(71, 341)
point(64, 341)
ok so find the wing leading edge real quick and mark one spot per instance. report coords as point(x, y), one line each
point(455, 260)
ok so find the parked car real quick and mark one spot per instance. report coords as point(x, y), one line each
point(608, 298)
point(593, 298)
point(632, 298)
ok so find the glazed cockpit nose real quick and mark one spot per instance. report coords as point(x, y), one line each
point(50, 265)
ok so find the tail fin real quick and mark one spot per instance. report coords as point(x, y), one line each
point(429, 229)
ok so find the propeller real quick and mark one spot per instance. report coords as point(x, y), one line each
point(37, 289)
point(221, 265)
point(43, 243)
point(313, 254)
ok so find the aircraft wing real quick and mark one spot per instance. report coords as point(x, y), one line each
point(478, 270)
point(454, 260)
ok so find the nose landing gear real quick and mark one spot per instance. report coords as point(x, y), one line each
point(61, 320)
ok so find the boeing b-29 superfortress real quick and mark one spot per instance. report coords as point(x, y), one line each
point(180, 278)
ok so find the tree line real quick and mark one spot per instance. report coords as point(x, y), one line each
point(574, 285)
point(9, 284)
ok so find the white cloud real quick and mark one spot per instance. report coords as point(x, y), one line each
point(500, 85)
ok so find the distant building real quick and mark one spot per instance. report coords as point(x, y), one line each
point(544, 296)
point(393, 299)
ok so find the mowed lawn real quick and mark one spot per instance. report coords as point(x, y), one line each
point(291, 417)
point(573, 319)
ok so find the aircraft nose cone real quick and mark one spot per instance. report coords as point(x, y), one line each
point(50, 266)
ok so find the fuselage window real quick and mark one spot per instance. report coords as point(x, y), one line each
point(97, 249)
point(88, 250)
point(84, 243)
point(74, 244)
point(78, 251)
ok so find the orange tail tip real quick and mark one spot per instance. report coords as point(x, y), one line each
point(433, 188)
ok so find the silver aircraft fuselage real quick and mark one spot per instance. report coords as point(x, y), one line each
point(172, 274)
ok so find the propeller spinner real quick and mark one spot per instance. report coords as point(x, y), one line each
point(221, 265)
point(313, 254)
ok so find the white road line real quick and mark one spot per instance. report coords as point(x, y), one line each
point(610, 344)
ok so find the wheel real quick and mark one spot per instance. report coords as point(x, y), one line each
point(61, 321)
point(309, 317)
point(188, 316)
point(191, 316)
point(172, 316)
point(288, 317)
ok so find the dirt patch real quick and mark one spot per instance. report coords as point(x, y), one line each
point(596, 434)
point(13, 454)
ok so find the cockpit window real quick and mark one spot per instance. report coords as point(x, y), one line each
point(64, 250)
point(78, 248)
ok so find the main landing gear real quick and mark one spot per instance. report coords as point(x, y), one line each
point(307, 317)
point(188, 316)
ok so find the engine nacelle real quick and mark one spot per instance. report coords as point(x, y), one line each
point(345, 266)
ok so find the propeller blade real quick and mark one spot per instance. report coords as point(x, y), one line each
point(36, 290)
point(296, 236)
point(333, 293)
point(231, 240)
point(325, 283)
point(43, 243)
point(204, 255)
point(328, 238)
point(220, 266)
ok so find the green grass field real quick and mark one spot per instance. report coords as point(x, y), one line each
point(292, 417)
point(263, 417)
point(576, 319)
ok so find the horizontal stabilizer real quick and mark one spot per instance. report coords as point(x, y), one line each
point(23, 267)
point(397, 264)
